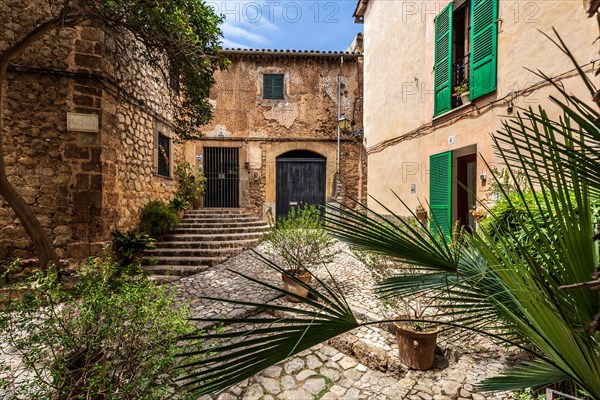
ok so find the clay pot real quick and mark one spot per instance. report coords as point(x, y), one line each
point(291, 286)
point(421, 214)
point(416, 348)
point(180, 214)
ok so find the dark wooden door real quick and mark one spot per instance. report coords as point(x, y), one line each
point(466, 170)
point(300, 180)
point(221, 168)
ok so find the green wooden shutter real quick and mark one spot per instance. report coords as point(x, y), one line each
point(443, 61)
point(267, 86)
point(278, 87)
point(440, 193)
point(484, 43)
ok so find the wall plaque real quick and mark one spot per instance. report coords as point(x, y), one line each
point(82, 122)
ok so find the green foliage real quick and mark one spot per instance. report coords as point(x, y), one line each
point(181, 36)
point(128, 247)
point(179, 204)
point(527, 394)
point(111, 337)
point(460, 89)
point(191, 182)
point(505, 223)
point(157, 219)
point(7, 273)
point(300, 241)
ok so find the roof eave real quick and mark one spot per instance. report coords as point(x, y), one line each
point(359, 12)
point(292, 53)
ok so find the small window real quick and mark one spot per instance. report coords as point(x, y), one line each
point(273, 86)
point(164, 155)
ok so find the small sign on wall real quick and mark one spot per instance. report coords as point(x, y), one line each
point(82, 122)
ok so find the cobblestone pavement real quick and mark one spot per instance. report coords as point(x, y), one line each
point(363, 364)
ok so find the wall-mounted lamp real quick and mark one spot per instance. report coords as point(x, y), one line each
point(347, 127)
point(343, 122)
point(509, 109)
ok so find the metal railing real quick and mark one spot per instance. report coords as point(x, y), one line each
point(460, 75)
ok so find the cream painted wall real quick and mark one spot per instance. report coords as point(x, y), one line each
point(398, 90)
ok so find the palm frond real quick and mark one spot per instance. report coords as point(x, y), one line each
point(391, 235)
point(249, 345)
point(527, 374)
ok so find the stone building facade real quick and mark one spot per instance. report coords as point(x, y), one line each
point(82, 126)
point(276, 113)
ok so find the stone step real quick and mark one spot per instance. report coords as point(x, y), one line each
point(175, 261)
point(217, 211)
point(221, 224)
point(240, 218)
point(192, 252)
point(160, 279)
point(220, 231)
point(164, 273)
point(193, 244)
point(212, 238)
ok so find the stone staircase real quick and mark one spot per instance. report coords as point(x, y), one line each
point(205, 238)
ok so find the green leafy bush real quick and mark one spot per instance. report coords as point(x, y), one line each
point(111, 338)
point(191, 182)
point(300, 240)
point(8, 272)
point(128, 247)
point(157, 219)
point(510, 221)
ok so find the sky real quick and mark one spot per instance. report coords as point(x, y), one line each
point(281, 24)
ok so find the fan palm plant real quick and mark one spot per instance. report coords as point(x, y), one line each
point(509, 288)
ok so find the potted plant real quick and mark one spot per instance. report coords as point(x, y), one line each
point(191, 183)
point(421, 213)
point(462, 91)
point(179, 205)
point(299, 243)
point(416, 338)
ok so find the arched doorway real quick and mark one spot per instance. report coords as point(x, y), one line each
point(300, 179)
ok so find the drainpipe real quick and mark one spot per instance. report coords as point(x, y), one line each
point(338, 114)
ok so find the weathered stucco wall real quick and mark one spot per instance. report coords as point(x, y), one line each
point(81, 185)
point(305, 120)
point(400, 131)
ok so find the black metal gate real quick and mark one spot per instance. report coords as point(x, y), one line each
point(221, 168)
point(300, 180)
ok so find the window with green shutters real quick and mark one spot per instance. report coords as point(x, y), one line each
point(440, 193)
point(273, 86)
point(483, 41)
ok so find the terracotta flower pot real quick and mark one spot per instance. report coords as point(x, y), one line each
point(421, 215)
point(294, 287)
point(180, 214)
point(416, 348)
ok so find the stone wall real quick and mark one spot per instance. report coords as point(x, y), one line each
point(306, 119)
point(81, 185)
